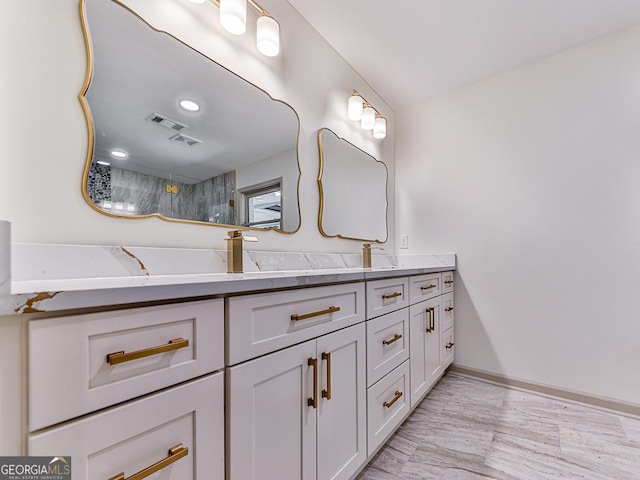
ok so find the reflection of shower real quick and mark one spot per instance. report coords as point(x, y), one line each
point(214, 218)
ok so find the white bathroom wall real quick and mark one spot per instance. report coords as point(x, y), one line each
point(532, 178)
point(45, 134)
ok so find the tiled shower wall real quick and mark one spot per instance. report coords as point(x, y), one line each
point(207, 201)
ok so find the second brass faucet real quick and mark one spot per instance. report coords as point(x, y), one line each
point(366, 254)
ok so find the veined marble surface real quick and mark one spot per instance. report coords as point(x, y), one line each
point(60, 277)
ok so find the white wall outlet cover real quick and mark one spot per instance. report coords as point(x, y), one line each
point(404, 241)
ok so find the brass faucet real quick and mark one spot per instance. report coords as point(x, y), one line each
point(234, 250)
point(366, 254)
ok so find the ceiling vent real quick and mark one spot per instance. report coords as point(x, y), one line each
point(184, 140)
point(166, 122)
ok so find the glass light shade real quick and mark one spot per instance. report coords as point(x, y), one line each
point(355, 107)
point(380, 127)
point(368, 118)
point(268, 36)
point(233, 16)
point(197, 1)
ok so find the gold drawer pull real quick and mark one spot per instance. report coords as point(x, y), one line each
point(297, 317)
point(428, 287)
point(391, 295)
point(448, 282)
point(175, 454)
point(395, 399)
point(448, 309)
point(395, 338)
point(450, 345)
point(121, 357)
point(313, 401)
point(327, 393)
point(431, 312)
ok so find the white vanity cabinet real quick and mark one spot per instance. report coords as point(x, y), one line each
point(299, 413)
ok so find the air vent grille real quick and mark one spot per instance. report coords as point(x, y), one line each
point(184, 140)
point(166, 122)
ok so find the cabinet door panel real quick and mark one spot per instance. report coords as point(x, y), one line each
point(342, 447)
point(447, 311)
point(271, 430)
point(424, 338)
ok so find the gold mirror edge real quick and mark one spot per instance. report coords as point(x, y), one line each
point(321, 207)
point(91, 139)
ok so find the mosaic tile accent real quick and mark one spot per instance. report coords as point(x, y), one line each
point(99, 183)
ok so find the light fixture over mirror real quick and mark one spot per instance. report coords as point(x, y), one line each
point(233, 18)
point(359, 110)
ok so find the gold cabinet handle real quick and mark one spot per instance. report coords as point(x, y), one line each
point(450, 345)
point(313, 401)
point(297, 317)
point(391, 295)
point(433, 319)
point(327, 393)
point(395, 399)
point(121, 357)
point(448, 282)
point(428, 287)
point(430, 312)
point(175, 454)
point(448, 309)
point(395, 338)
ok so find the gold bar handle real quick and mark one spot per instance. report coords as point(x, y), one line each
point(428, 287)
point(327, 393)
point(448, 282)
point(395, 399)
point(448, 309)
point(313, 401)
point(297, 317)
point(433, 319)
point(175, 454)
point(120, 357)
point(450, 345)
point(391, 295)
point(395, 338)
point(429, 312)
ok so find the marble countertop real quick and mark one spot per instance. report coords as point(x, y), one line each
point(148, 275)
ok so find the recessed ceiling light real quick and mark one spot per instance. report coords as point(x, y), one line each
point(103, 162)
point(189, 105)
point(119, 154)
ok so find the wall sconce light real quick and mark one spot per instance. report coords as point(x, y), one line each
point(358, 109)
point(233, 17)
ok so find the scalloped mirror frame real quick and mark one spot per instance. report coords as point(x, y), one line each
point(322, 209)
point(91, 129)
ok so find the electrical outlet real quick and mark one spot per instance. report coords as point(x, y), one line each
point(404, 241)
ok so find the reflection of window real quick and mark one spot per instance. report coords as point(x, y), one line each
point(263, 206)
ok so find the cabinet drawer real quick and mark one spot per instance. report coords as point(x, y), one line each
point(424, 287)
point(70, 372)
point(387, 405)
point(447, 311)
point(447, 347)
point(384, 296)
point(447, 282)
point(387, 344)
point(129, 438)
point(262, 323)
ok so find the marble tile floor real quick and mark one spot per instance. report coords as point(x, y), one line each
point(467, 429)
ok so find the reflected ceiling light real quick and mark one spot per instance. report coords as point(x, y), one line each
point(359, 109)
point(189, 105)
point(268, 36)
point(103, 162)
point(380, 127)
point(233, 17)
point(119, 154)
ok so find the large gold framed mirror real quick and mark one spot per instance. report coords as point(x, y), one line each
point(175, 135)
point(353, 191)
